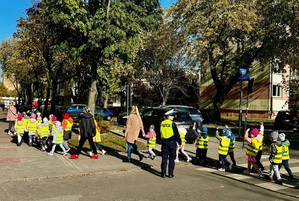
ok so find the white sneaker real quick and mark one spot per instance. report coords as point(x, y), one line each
point(104, 152)
point(90, 153)
point(189, 159)
point(64, 153)
point(246, 172)
point(176, 161)
point(67, 150)
point(51, 154)
point(221, 169)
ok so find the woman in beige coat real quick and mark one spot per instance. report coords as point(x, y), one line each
point(11, 117)
point(134, 125)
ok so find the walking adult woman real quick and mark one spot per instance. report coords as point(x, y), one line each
point(133, 127)
point(11, 117)
point(88, 131)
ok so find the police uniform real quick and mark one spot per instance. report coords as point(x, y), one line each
point(169, 137)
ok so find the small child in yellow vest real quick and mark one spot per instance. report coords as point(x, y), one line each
point(182, 132)
point(151, 142)
point(201, 144)
point(285, 156)
point(275, 157)
point(97, 139)
point(43, 133)
point(32, 127)
point(20, 128)
point(57, 139)
point(223, 148)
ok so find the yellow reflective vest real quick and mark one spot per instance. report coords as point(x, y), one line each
point(252, 148)
point(285, 152)
point(32, 127)
point(97, 137)
point(166, 129)
point(20, 128)
point(202, 143)
point(231, 146)
point(43, 131)
point(58, 137)
point(69, 125)
point(151, 142)
point(223, 146)
point(183, 139)
point(278, 156)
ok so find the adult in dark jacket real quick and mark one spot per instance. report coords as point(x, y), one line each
point(88, 131)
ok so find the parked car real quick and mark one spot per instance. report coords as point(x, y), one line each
point(123, 115)
point(193, 112)
point(75, 109)
point(115, 111)
point(286, 120)
point(156, 115)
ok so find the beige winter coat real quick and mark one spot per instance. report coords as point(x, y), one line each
point(134, 125)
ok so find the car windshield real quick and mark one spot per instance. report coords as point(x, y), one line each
point(193, 111)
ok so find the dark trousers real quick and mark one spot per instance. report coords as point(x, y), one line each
point(11, 125)
point(258, 159)
point(223, 161)
point(91, 143)
point(201, 154)
point(232, 157)
point(285, 164)
point(168, 150)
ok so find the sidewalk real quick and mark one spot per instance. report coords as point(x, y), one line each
point(29, 163)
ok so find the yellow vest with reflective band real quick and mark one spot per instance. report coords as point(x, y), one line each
point(59, 137)
point(285, 153)
point(43, 131)
point(97, 137)
point(166, 129)
point(223, 146)
point(182, 136)
point(278, 156)
point(202, 143)
point(261, 143)
point(69, 125)
point(151, 142)
point(32, 126)
point(231, 146)
point(20, 128)
point(252, 148)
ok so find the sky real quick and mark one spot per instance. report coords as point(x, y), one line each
point(12, 10)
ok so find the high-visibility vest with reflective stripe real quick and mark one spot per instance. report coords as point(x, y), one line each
point(59, 137)
point(231, 146)
point(20, 128)
point(252, 148)
point(285, 153)
point(151, 142)
point(223, 146)
point(261, 145)
point(43, 131)
point(278, 156)
point(183, 139)
point(202, 143)
point(32, 126)
point(69, 125)
point(166, 129)
point(97, 137)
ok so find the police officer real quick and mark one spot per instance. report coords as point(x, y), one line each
point(169, 139)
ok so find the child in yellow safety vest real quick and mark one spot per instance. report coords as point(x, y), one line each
point(57, 139)
point(32, 127)
point(20, 127)
point(97, 139)
point(285, 156)
point(223, 148)
point(252, 150)
point(151, 142)
point(201, 143)
point(67, 124)
point(43, 133)
point(227, 132)
point(275, 157)
point(182, 132)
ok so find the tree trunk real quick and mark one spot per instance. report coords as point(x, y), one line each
point(93, 94)
point(106, 101)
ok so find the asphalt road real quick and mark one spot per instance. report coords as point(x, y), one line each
point(139, 184)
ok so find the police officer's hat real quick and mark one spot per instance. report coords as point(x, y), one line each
point(169, 113)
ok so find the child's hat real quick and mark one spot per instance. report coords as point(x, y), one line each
point(20, 117)
point(152, 126)
point(204, 130)
point(45, 119)
point(66, 115)
point(282, 136)
point(274, 135)
point(227, 132)
point(254, 132)
point(54, 118)
point(33, 116)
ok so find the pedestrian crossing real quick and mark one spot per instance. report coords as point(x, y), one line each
point(289, 187)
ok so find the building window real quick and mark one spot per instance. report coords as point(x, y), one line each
point(276, 91)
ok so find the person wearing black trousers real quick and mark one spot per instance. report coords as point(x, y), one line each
point(88, 131)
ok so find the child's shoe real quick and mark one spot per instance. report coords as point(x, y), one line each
point(51, 154)
point(67, 150)
point(94, 157)
point(291, 178)
point(278, 182)
point(271, 178)
point(176, 160)
point(104, 152)
point(90, 153)
point(189, 159)
point(64, 153)
point(246, 172)
point(153, 157)
point(221, 169)
point(74, 156)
